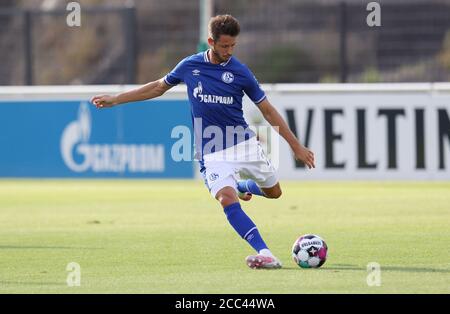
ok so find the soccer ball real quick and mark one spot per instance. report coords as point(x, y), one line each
point(309, 251)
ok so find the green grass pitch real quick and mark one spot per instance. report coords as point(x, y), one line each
point(141, 236)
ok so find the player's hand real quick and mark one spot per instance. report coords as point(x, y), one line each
point(306, 156)
point(104, 101)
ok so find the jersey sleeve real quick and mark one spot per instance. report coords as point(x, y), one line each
point(177, 74)
point(252, 88)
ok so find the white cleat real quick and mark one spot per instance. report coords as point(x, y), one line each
point(262, 262)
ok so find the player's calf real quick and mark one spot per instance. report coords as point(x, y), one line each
point(273, 192)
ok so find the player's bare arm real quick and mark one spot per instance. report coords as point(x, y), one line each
point(275, 119)
point(148, 91)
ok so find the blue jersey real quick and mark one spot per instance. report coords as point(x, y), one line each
point(215, 93)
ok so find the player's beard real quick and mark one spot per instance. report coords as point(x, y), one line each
point(218, 57)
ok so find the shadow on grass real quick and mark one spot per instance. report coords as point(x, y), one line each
point(32, 283)
point(17, 247)
point(389, 268)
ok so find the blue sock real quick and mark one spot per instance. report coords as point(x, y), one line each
point(249, 186)
point(244, 226)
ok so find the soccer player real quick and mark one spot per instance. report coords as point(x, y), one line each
point(216, 82)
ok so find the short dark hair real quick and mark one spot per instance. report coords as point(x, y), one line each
point(223, 25)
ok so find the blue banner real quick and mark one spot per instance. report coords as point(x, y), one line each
point(75, 139)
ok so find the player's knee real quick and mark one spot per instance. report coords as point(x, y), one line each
point(226, 200)
point(227, 196)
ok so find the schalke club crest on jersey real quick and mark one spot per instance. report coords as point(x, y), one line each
point(227, 77)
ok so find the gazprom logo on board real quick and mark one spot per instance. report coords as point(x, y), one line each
point(79, 155)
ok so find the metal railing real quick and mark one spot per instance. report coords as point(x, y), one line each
point(36, 42)
point(292, 41)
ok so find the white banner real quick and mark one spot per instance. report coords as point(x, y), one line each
point(376, 131)
point(357, 131)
